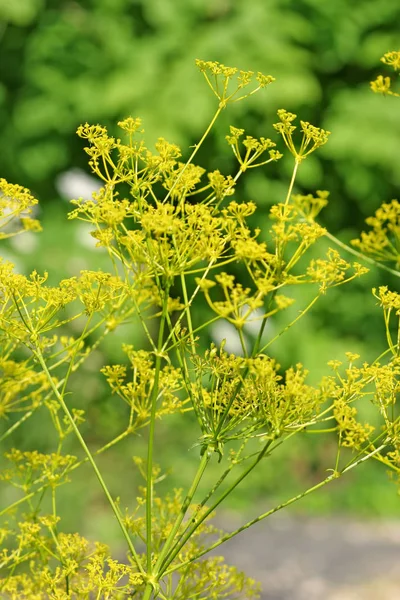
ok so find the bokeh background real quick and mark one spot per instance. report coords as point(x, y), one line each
point(65, 62)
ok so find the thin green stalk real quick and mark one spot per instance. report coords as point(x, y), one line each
point(188, 303)
point(74, 353)
point(186, 503)
point(247, 369)
point(211, 492)
point(152, 582)
point(148, 591)
point(218, 502)
point(228, 536)
point(227, 471)
point(15, 426)
point(150, 447)
point(204, 460)
point(363, 458)
point(10, 507)
point(289, 325)
point(187, 336)
point(196, 149)
point(242, 342)
point(188, 313)
point(85, 448)
point(257, 342)
point(361, 256)
point(291, 184)
point(107, 446)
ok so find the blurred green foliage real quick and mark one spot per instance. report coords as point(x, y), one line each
point(66, 62)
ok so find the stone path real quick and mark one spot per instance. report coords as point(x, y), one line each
point(319, 559)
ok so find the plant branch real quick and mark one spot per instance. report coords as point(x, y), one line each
point(90, 458)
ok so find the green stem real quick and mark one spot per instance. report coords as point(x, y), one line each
point(74, 353)
point(211, 492)
point(290, 190)
point(257, 343)
point(228, 536)
point(150, 447)
point(90, 458)
point(367, 259)
point(289, 325)
point(152, 584)
point(148, 591)
point(242, 342)
point(218, 502)
point(188, 313)
point(15, 426)
point(196, 149)
point(188, 303)
point(186, 503)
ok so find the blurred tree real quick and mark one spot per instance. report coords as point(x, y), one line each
point(66, 62)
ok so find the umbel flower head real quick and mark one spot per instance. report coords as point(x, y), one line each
point(253, 149)
point(392, 59)
point(228, 83)
point(16, 207)
point(382, 85)
point(382, 242)
point(313, 137)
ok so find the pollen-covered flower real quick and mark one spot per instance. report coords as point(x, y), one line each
point(383, 85)
point(131, 125)
point(227, 82)
point(333, 271)
point(392, 59)
point(388, 299)
point(310, 206)
point(313, 137)
point(382, 242)
point(16, 207)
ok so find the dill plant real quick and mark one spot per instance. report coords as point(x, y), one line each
point(172, 242)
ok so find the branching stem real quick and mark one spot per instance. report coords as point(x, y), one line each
point(90, 458)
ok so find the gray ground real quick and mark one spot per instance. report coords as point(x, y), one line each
point(319, 559)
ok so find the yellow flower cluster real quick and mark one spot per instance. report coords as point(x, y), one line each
point(176, 236)
point(383, 241)
point(248, 397)
point(382, 85)
point(83, 568)
point(218, 77)
point(380, 384)
point(16, 204)
point(137, 391)
point(22, 387)
point(33, 468)
point(254, 148)
point(333, 271)
point(312, 138)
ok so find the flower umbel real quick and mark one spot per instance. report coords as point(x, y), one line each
point(312, 138)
